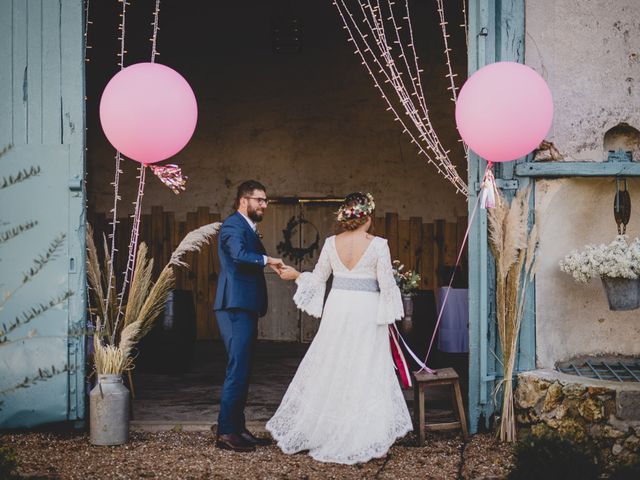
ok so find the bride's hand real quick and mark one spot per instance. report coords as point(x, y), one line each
point(288, 273)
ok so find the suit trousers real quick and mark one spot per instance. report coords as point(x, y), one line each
point(238, 329)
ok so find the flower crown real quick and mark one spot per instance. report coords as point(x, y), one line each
point(359, 210)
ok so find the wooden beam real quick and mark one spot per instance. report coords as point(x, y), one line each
point(578, 169)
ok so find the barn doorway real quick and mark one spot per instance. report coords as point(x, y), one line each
point(282, 99)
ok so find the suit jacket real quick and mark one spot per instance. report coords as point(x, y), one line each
point(241, 283)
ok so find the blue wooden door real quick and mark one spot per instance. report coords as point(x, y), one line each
point(42, 212)
point(496, 33)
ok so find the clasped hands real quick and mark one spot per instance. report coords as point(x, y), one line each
point(285, 272)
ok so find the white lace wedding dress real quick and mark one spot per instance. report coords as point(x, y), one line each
point(344, 403)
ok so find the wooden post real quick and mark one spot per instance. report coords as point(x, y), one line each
point(214, 270)
point(391, 231)
point(205, 329)
point(191, 276)
point(404, 244)
point(156, 239)
point(428, 260)
point(416, 243)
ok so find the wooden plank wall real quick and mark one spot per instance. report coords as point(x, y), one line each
point(425, 247)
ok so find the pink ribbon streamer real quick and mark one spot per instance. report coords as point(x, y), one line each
point(446, 294)
point(171, 176)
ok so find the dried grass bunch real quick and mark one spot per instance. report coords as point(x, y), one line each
point(117, 332)
point(514, 247)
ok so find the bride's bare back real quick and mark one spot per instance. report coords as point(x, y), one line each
point(351, 246)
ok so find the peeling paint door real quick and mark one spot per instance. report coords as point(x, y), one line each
point(42, 261)
point(496, 33)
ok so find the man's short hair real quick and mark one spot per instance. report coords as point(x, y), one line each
point(245, 189)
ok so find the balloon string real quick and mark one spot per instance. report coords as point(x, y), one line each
point(446, 295)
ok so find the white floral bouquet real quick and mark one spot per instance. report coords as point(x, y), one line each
point(408, 282)
point(619, 259)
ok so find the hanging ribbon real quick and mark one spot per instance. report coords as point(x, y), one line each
point(489, 194)
point(399, 361)
point(171, 176)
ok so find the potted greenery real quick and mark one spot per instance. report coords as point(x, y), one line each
point(408, 283)
point(618, 266)
point(118, 328)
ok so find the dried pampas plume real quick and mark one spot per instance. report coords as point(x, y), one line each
point(146, 300)
point(194, 241)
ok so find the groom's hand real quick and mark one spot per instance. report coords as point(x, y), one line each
point(275, 263)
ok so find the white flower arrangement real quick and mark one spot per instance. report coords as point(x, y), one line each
point(619, 259)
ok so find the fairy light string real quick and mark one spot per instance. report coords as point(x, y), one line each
point(377, 84)
point(118, 169)
point(375, 43)
point(135, 229)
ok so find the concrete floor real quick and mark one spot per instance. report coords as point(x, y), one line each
point(191, 400)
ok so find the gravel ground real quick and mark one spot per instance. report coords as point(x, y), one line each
point(192, 455)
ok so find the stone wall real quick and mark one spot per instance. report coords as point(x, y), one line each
point(589, 53)
point(584, 411)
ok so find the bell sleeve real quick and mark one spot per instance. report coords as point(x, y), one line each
point(309, 296)
point(390, 306)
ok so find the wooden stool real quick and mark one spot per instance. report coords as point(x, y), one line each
point(444, 376)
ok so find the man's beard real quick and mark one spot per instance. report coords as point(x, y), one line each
point(254, 215)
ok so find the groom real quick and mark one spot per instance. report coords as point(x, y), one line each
point(241, 298)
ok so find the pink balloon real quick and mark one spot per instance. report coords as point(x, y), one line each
point(504, 111)
point(148, 112)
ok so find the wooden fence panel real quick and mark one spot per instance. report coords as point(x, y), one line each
point(423, 247)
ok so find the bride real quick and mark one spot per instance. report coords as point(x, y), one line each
point(344, 404)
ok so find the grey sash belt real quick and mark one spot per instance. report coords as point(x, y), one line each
point(360, 284)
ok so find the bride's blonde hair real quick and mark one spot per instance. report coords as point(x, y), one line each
point(355, 210)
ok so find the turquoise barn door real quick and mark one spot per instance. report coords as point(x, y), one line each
point(496, 33)
point(42, 212)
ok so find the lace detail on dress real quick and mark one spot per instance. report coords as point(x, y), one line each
point(390, 306)
point(344, 403)
point(309, 296)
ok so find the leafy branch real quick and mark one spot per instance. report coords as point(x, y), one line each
point(42, 260)
point(29, 315)
point(39, 263)
point(15, 231)
point(43, 374)
point(21, 176)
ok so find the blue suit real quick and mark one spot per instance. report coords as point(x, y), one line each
point(241, 298)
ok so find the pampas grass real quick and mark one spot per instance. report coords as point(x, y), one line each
point(113, 343)
point(514, 247)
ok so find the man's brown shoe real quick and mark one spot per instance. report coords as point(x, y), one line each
point(252, 439)
point(235, 442)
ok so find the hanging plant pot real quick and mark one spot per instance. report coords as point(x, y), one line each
point(622, 293)
point(109, 411)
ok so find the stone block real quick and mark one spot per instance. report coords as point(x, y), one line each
point(632, 443)
point(529, 391)
point(553, 398)
point(628, 405)
point(573, 390)
point(591, 410)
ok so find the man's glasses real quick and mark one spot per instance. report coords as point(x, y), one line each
point(260, 200)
